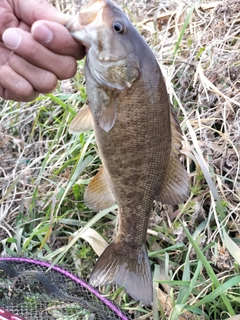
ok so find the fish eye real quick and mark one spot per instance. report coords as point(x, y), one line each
point(119, 27)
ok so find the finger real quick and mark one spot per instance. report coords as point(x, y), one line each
point(35, 53)
point(9, 20)
point(14, 87)
point(33, 10)
point(57, 38)
point(4, 54)
point(42, 81)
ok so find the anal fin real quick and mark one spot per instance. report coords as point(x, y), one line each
point(98, 194)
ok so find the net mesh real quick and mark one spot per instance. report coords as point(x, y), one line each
point(33, 289)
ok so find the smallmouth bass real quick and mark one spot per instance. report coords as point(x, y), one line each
point(138, 137)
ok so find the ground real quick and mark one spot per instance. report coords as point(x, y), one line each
point(44, 170)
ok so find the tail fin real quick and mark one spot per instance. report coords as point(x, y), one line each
point(128, 270)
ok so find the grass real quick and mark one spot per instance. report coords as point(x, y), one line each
point(193, 248)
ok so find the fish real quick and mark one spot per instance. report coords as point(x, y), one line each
point(138, 138)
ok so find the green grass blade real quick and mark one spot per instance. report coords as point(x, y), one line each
point(156, 276)
point(78, 234)
point(209, 270)
point(217, 292)
point(186, 22)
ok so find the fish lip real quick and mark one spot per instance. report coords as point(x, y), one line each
point(78, 32)
point(70, 23)
point(95, 6)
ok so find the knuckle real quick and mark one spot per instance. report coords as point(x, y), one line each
point(14, 86)
point(69, 69)
point(24, 91)
point(47, 83)
point(33, 51)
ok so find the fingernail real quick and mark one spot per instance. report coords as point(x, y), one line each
point(41, 32)
point(11, 38)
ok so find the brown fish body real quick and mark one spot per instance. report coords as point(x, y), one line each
point(138, 140)
point(135, 153)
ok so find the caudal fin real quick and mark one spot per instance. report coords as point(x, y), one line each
point(132, 272)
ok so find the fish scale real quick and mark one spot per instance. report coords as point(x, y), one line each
point(138, 138)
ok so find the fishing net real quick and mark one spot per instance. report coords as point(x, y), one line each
point(32, 289)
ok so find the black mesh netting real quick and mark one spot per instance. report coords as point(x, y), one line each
point(33, 289)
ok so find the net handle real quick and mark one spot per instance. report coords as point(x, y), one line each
point(6, 315)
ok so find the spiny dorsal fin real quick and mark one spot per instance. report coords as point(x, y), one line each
point(176, 183)
point(98, 194)
point(82, 122)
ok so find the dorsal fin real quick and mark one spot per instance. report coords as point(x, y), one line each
point(82, 122)
point(175, 188)
point(98, 194)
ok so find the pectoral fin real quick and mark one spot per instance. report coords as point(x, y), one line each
point(101, 99)
point(82, 122)
point(176, 183)
point(98, 194)
point(105, 115)
point(107, 118)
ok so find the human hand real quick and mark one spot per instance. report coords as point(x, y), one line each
point(34, 54)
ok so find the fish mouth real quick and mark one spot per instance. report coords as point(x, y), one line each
point(88, 17)
point(78, 32)
point(92, 27)
point(89, 12)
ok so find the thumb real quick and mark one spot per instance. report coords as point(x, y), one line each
point(57, 38)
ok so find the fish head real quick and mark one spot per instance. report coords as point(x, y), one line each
point(107, 34)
